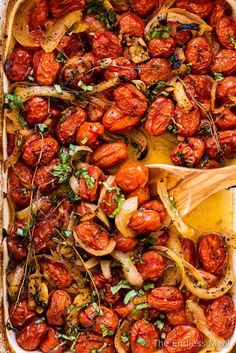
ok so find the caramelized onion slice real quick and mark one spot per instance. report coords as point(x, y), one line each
point(90, 250)
point(130, 271)
point(129, 206)
point(122, 331)
point(106, 268)
point(181, 97)
point(27, 92)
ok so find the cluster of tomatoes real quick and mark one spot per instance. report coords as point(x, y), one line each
point(38, 180)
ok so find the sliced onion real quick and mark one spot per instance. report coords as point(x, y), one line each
point(13, 158)
point(90, 250)
point(158, 15)
point(201, 323)
point(109, 182)
point(128, 207)
point(103, 86)
point(182, 227)
point(74, 184)
point(106, 268)
point(96, 212)
point(213, 95)
point(130, 271)
point(20, 27)
point(123, 329)
point(181, 97)
point(233, 6)
point(54, 34)
point(12, 121)
point(94, 261)
point(27, 92)
point(24, 214)
point(185, 17)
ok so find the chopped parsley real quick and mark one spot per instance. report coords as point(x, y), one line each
point(60, 58)
point(86, 88)
point(67, 233)
point(173, 203)
point(159, 324)
point(58, 89)
point(30, 78)
point(89, 180)
point(24, 191)
point(162, 32)
point(232, 40)
point(42, 128)
point(119, 198)
point(97, 308)
point(105, 331)
point(40, 320)
point(84, 140)
point(140, 307)
point(72, 149)
point(163, 335)
point(149, 286)
point(129, 296)
point(23, 232)
point(63, 170)
point(106, 16)
point(62, 119)
point(14, 101)
point(162, 316)
point(125, 337)
point(218, 76)
point(120, 285)
point(141, 341)
point(72, 196)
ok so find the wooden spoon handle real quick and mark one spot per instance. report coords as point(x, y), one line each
point(195, 188)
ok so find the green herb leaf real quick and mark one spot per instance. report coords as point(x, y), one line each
point(58, 89)
point(162, 316)
point(30, 78)
point(105, 331)
point(232, 39)
point(129, 296)
point(98, 309)
point(72, 149)
point(89, 180)
point(53, 200)
point(159, 324)
point(120, 285)
point(24, 191)
point(23, 232)
point(67, 233)
point(161, 32)
point(140, 307)
point(84, 140)
point(62, 119)
point(62, 171)
point(149, 286)
point(218, 76)
point(42, 128)
point(163, 335)
point(40, 320)
point(85, 87)
point(141, 341)
point(64, 156)
point(72, 196)
point(60, 58)
point(173, 203)
point(14, 101)
point(125, 337)
point(106, 16)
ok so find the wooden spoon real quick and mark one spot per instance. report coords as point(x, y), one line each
point(190, 187)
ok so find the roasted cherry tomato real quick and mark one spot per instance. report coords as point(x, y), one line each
point(36, 110)
point(130, 100)
point(226, 88)
point(51, 342)
point(117, 121)
point(18, 65)
point(106, 45)
point(221, 317)
point(71, 45)
point(157, 206)
point(155, 70)
point(89, 181)
point(90, 134)
point(177, 317)
point(44, 179)
point(225, 62)
point(143, 337)
point(110, 200)
point(39, 14)
point(98, 107)
point(142, 193)
point(20, 314)
point(161, 47)
point(212, 253)
point(94, 25)
point(56, 274)
point(109, 155)
point(189, 251)
point(165, 298)
point(66, 130)
point(183, 339)
point(123, 310)
point(125, 244)
point(226, 32)
point(39, 150)
point(227, 148)
point(46, 68)
point(78, 69)
point(159, 116)
point(143, 7)
point(92, 235)
point(151, 265)
point(218, 11)
point(131, 176)
point(188, 153)
point(88, 342)
point(29, 337)
point(59, 302)
point(198, 7)
point(105, 285)
point(17, 244)
point(63, 7)
point(180, 37)
point(131, 24)
point(145, 221)
point(42, 234)
point(187, 123)
point(107, 318)
point(198, 87)
point(225, 120)
point(121, 67)
point(19, 183)
point(199, 54)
